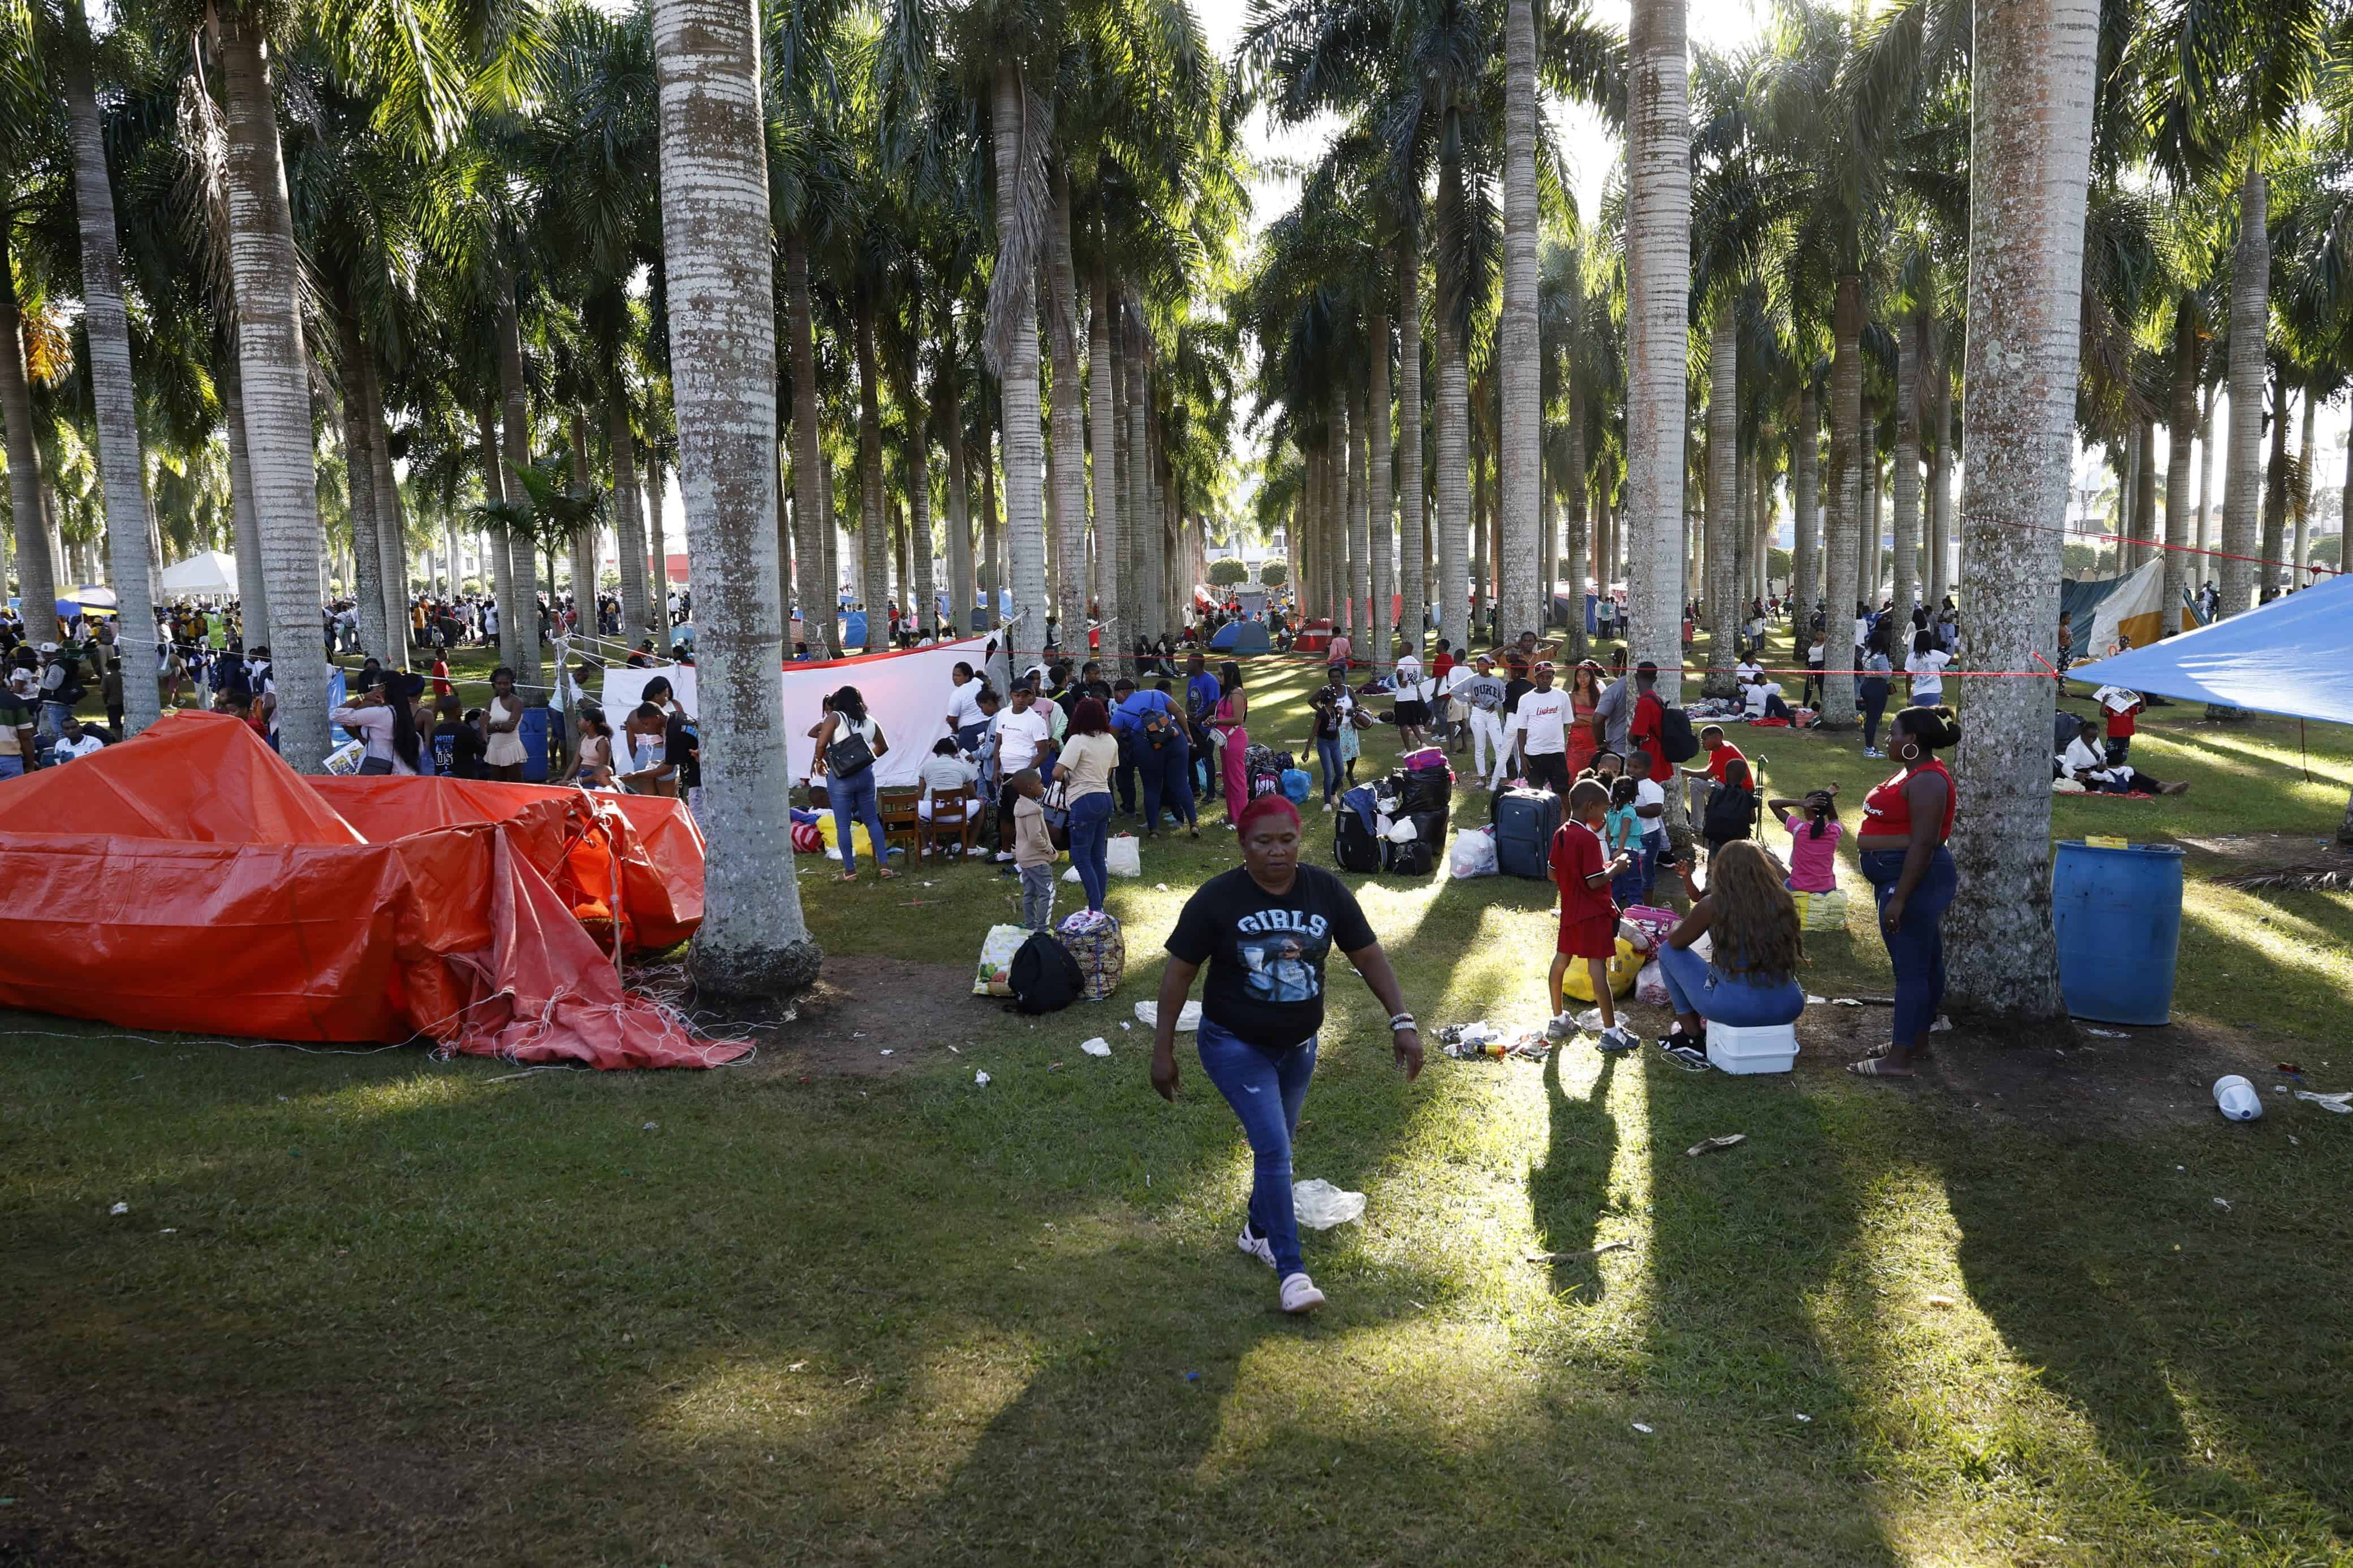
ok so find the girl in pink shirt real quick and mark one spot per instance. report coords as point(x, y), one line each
point(1814, 833)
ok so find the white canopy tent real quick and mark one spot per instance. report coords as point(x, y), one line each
point(205, 574)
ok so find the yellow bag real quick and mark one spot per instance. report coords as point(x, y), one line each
point(1624, 965)
point(1821, 912)
point(862, 841)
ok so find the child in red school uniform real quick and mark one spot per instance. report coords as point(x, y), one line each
point(1589, 915)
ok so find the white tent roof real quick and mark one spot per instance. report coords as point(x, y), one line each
point(207, 572)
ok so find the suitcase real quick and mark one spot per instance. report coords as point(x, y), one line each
point(1524, 822)
point(1353, 847)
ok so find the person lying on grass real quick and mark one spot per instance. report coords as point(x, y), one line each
point(2089, 765)
point(1265, 930)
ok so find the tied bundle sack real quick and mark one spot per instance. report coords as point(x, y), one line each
point(1821, 912)
point(1100, 947)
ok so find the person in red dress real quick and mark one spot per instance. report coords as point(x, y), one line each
point(1584, 697)
point(1589, 915)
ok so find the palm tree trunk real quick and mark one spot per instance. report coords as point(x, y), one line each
point(113, 400)
point(1454, 429)
point(1806, 554)
point(359, 483)
point(1578, 544)
point(2032, 132)
point(2276, 491)
point(992, 564)
point(501, 548)
point(1381, 506)
point(1940, 477)
point(2180, 430)
point(1870, 573)
point(2300, 502)
point(948, 398)
point(1520, 574)
point(274, 368)
point(1723, 489)
point(2204, 567)
point(582, 563)
point(1109, 588)
point(392, 527)
point(1658, 279)
point(715, 242)
point(1413, 543)
point(1025, 520)
point(1843, 524)
point(252, 594)
point(37, 541)
point(1066, 454)
point(922, 587)
point(1361, 620)
point(1909, 349)
point(2251, 266)
point(628, 521)
point(1142, 535)
point(518, 636)
point(873, 542)
point(809, 519)
point(2144, 518)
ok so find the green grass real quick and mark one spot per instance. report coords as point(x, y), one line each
point(437, 1313)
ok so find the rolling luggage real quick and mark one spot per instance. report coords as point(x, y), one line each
point(1524, 822)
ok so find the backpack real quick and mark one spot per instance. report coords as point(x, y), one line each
point(1675, 736)
point(1730, 812)
point(1353, 847)
point(1045, 978)
point(1159, 730)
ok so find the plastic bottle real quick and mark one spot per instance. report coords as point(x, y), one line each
point(2237, 1098)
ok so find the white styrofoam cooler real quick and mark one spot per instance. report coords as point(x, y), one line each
point(1768, 1047)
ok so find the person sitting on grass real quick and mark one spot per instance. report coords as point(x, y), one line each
point(2086, 763)
point(1589, 915)
point(1750, 978)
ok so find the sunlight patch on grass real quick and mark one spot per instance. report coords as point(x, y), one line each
point(401, 1096)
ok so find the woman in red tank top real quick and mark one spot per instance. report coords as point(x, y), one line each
point(1905, 822)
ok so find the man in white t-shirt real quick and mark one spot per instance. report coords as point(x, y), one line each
point(1542, 720)
point(1022, 735)
point(1651, 808)
point(1747, 671)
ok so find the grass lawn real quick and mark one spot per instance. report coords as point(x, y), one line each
point(2044, 1306)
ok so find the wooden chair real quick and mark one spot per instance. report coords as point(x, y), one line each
point(900, 822)
point(955, 815)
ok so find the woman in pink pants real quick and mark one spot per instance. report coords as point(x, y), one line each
point(1231, 720)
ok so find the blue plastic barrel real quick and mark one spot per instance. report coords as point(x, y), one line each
point(541, 733)
point(2117, 915)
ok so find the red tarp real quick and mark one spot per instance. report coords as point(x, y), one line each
point(190, 880)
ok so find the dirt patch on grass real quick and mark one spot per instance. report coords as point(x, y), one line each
point(863, 1006)
point(2250, 851)
point(2065, 1076)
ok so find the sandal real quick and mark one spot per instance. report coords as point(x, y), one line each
point(847, 877)
point(1876, 1066)
point(884, 874)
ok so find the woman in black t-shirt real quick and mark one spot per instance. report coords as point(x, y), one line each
point(1265, 930)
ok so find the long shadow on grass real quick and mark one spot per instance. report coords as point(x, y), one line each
point(1567, 1197)
point(2204, 1346)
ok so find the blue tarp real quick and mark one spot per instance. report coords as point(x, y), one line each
point(2293, 656)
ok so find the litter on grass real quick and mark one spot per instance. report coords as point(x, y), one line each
point(1098, 1047)
point(1645, 1431)
point(1579, 1257)
point(2109, 1034)
point(1709, 1145)
point(2340, 1103)
point(981, 1080)
point(119, 1208)
point(1320, 1206)
point(1148, 1014)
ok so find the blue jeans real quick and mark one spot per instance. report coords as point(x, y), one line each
point(1090, 837)
point(1654, 850)
point(12, 766)
point(853, 800)
point(1327, 755)
point(1168, 780)
point(1916, 948)
point(1266, 1089)
point(1873, 697)
point(1626, 887)
point(1739, 1002)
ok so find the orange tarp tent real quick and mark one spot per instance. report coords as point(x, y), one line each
point(189, 880)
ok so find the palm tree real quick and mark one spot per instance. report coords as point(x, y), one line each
point(1658, 270)
point(2033, 75)
point(1520, 576)
point(715, 229)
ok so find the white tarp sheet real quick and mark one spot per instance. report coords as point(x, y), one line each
point(906, 693)
point(206, 572)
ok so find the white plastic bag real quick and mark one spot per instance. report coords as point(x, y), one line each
point(1124, 857)
point(1148, 1014)
point(1473, 852)
point(1400, 831)
point(992, 976)
point(1651, 986)
point(1320, 1206)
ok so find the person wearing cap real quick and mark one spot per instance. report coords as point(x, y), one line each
point(1646, 730)
point(60, 689)
point(1265, 930)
